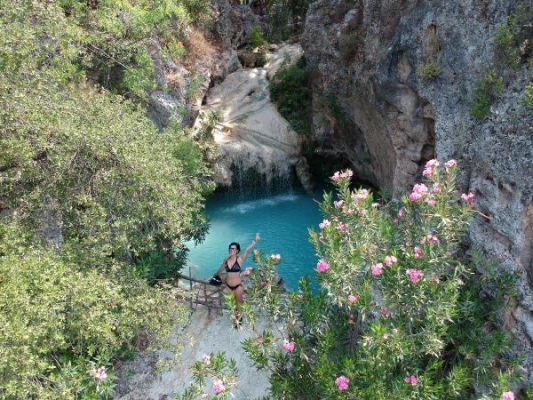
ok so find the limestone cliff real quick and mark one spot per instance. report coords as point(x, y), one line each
point(374, 105)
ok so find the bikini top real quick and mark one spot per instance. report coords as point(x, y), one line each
point(235, 268)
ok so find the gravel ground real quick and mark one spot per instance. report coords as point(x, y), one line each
point(206, 333)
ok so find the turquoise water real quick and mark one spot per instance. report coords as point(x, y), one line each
point(282, 219)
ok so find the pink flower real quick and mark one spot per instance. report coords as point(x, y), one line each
point(389, 260)
point(289, 346)
point(419, 191)
point(430, 168)
point(261, 339)
point(338, 204)
point(361, 194)
point(385, 336)
point(342, 227)
point(207, 359)
point(468, 198)
point(508, 396)
point(345, 174)
point(322, 266)
point(431, 201)
point(414, 274)
point(385, 313)
point(401, 213)
point(436, 187)
point(352, 299)
point(218, 386)
point(324, 224)
point(377, 269)
point(100, 373)
point(412, 380)
point(275, 257)
point(342, 382)
point(248, 271)
point(450, 164)
point(429, 238)
point(418, 252)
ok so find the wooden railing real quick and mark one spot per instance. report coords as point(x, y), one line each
point(202, 293)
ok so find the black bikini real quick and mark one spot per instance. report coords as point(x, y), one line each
point(235, 268)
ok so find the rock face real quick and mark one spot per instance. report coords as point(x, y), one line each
point(251, 135)
point(372, 106)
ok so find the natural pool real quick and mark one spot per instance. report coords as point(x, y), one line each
point(282, 218)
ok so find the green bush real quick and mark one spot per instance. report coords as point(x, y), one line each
point(400, 312)
point(291, 91)
point(429, 71)
point(485, 92)
point(514, 39)
point(62, 328)
point(255, 38)
point(527, 97)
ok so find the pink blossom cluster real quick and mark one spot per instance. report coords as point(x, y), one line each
point(206, 359)
point(508, 396)
point(361, 194)
point(342, 227)
point(339, 175)
point(351, 318)
point(289, 346)
point(275, 257)
point(385, 313)
point(450, 164)
point(468, 198)
point(430, 238)
point(419, 191)
point(100, 373)
point(411, 379)
point(248, 271)
point(324, 224)
point(322, 266)
point(414, 274)
point(376, 269)
point(430, 169)
point(389, 260)
point(218, 386)
point(353, 298)
point(261, 339)
point(342, 382)
point(338, 204)
point(418, 252)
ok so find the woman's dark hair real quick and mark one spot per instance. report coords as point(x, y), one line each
point(237, 245)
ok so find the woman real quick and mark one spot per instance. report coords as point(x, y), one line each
point(233, 266)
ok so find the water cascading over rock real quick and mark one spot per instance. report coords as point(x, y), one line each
point(251, 136)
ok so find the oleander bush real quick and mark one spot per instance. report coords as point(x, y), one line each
point(401, 312)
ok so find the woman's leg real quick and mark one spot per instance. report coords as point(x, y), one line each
point(238, 293)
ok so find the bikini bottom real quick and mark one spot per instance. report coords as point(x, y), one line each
point(233, 288)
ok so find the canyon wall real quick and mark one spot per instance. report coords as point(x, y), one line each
point(374, 105)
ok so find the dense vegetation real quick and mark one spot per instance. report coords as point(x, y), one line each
point(91, 193)
point(400, 313)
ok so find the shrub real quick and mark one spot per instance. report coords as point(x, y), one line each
point(290, 90)
point(484, 93)
point(513, 38)
point(255, 38)
point(399, 312)
point(63, 328)
point(527, 97)
point(429, 71)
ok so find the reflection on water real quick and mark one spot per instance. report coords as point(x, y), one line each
point(283, 221)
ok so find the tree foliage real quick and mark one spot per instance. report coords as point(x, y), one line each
point(94, 201)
